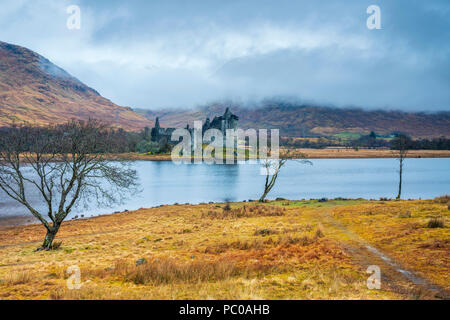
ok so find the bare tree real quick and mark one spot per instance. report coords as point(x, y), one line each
point(65, 164)
point(271, 169)
point(401, 144)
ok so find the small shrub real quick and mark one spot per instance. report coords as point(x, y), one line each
point(442, 199)
point(319, 232)
point(406, 214)
point(323, 200)
point(141, 261)
point(52, 275)
point(436, 223)
point(288, 240)
point(264, 232)
point(148, 147)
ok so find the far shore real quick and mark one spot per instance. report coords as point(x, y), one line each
point(327, 153)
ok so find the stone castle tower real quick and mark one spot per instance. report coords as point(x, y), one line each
point(222, 123)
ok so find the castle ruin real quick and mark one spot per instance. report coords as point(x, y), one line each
point(227, 121)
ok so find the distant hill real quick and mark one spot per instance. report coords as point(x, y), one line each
point(34, 90)
point(306, 121)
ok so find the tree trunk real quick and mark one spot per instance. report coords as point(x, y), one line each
point(400, 181)
point(263, 197)
point(49, 237)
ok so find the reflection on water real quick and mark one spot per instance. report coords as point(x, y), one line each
point(164, 182)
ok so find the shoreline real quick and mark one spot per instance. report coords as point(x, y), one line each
point(316, 154)
point(17, 221)
point(30, 221)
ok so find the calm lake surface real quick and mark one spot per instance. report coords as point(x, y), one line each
point(163, 182)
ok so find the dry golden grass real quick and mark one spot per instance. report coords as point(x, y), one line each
point(277, 250)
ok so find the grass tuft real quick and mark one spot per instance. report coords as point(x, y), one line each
point(264, 232)
point(406, 214)
point(436, 223)
point(245, 212)
point(319, 232)
point(21, 277)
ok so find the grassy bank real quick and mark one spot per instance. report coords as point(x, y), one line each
point(276, 250)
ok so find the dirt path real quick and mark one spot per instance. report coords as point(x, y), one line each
point(394, 275)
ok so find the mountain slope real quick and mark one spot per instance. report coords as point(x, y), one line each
point(300, 120)
point(34, 90)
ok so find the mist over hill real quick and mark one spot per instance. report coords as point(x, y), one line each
point(300, 120)
point(34, 90)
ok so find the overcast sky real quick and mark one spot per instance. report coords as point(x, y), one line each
point(155, 54)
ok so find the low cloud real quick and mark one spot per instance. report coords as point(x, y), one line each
point(181, 54)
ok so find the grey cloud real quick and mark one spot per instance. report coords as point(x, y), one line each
point(155, 54)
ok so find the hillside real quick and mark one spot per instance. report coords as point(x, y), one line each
point(301, 120)
point(34, 90)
